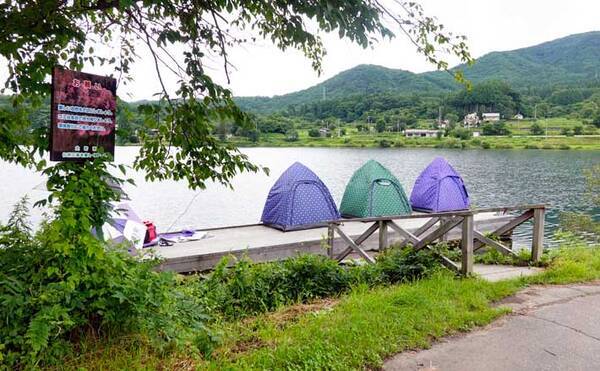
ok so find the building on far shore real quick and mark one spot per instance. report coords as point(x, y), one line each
point(518, 116)
point(443, 124)
point(324, 132)
point(490, 116)
point(471, 120)
point(422, 133)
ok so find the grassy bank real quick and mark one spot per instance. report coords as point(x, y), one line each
point(357, 330)
point(393, 140)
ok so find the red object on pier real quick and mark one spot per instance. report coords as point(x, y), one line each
point(150, 231)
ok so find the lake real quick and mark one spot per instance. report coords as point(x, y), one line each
point(493, 178)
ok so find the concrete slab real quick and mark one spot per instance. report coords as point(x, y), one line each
point(557, 328)
point(503, 272)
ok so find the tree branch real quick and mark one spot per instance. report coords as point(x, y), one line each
point(223, 50)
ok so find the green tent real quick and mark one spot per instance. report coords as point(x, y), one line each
point(373, 191)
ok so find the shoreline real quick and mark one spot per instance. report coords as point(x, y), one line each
point(387, 141)
point(392, 141)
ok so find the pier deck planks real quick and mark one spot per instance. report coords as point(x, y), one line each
point(261, 243)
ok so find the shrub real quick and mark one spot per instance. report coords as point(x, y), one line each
point(492, 256)
point(398, 265)
point(55, 287)
point(536, 129)
point(384, 143)
point(246, 288)
point(596, 119)
point(589, 130)
point(399, 143)
point(495, 129)
point(291, 135)
point(564, 146)
point(531, 146)
point(476, 142)
point(504, 146)
point(449, 143)
point(578, 130)
point(314, 133)
point(566, 131)
point(485, 145)
point(548, 146)
point(454, 143)
point(461, 133)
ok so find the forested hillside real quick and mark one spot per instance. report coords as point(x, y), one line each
point(565, 62)
point(554, 79)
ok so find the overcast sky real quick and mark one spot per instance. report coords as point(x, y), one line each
point(490, 25)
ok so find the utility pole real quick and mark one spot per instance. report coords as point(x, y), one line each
point(535, 112)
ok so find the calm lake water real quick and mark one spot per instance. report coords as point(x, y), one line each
point(493, 178)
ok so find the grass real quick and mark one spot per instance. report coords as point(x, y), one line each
point(554, 125)
point(356, 331)
point(368, 325)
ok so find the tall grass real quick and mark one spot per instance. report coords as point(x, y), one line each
point(246, 288)
point(358, 329)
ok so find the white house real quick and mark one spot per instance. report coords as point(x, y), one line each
point(518, 116)
point(471, 120)
point(424, 133)
point(490, 116)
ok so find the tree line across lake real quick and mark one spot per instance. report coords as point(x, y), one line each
point(389, 112)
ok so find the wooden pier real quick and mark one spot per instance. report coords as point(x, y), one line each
point(473, 228)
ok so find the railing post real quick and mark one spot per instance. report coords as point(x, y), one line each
point(383, 235)
point(444, 237)
point(537, 241)
point(330, 236)
point(466, 267)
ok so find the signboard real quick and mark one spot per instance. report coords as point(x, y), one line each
point(83, 115)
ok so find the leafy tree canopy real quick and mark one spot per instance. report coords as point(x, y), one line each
point(38, 35)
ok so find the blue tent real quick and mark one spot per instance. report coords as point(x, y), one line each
point(298, 200)
point(439, 188)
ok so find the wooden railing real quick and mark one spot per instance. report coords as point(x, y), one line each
point(436, 227)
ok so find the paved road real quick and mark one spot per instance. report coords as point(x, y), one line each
point(551, 328)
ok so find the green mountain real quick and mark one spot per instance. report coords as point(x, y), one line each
point(568, 61)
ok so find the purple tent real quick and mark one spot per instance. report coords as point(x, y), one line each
point(439, 188)
point(298, 200)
